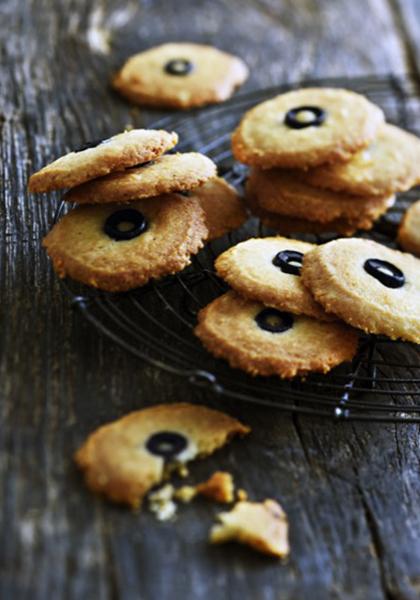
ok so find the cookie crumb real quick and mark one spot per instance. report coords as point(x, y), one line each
point(261, 525)
point(242, 495)
point(219, 487)
point(186, 493)
point(161, 503)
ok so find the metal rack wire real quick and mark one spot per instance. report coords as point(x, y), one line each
point(155, 322)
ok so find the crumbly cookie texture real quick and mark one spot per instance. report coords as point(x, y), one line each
point(219, 488)
point(124, 459)
point(180, 75)
point(113, 154)
point(290, 225)
point(391, 163)
point(284, 192)
point(230, 328)
point(261, 525)
point(409, 230)
point(264, 138)
point(223, 208)
point(166, 174)
point(80, 247)
point(368, 285)
point(268, 270)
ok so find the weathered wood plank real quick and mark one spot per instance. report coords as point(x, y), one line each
point(351, 492)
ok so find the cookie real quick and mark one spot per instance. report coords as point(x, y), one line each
point(169, 173)
point(306, 127)
point(368, 285)
point(266, 341)
point(127, 457)
point(283, 192)
point(409, 230)
point(116, 248)
point(391, 163)
point(261, 525)
point(180, 75)
point(292, 225)
point(223, 208)
point(268, 270)
point(100, 158)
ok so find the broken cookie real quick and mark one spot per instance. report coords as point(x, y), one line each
point(261, 525)
point(219, 487)
point(126, 458)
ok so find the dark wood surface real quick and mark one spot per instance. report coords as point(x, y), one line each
point(352, 491)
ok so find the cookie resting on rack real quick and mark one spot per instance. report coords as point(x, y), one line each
point(261, 525)
point(390, 164)
point(368, 285)
point(286, 225)
point(283, 192)
point(223, 208)
point(266, 341)
point(119, 247)
point(180, 75)
point(126, 458)
point(166, 174)
point(99, 158)
point(306, 127)
point(268, 270)
point(409, 230)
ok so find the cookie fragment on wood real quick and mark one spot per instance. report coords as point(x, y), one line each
point(219, 487)
point(261, 525)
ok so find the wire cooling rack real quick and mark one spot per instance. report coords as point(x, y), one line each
point(155, 323)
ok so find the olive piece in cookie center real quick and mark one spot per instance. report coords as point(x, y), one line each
point(273, 320)
point(385, 272)
point(289, 261)
point(125, 224)
point(305, 116)
point(167, 444)
point(179, 66)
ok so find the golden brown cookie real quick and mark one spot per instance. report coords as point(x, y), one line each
point(127, 457)
point(292, 225)
point(283, 192)
point(391, 163)
point(223, 208)
point(100, 158)
point(266, 341)
point(261, 525)
point(268, 270)
point(116, 248)
point(180, 75)
point(306, 127)
point(368, 285)
point(169, 173)
point(409, 230)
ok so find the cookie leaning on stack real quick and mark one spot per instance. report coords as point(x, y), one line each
point(323, 160)
point(116, 247)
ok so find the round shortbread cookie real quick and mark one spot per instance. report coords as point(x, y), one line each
point(290, 225)
point(409, 230)
point(265, 341)
point(100, 158)
point(391, 163)
point(268, 270)
point(368, 285)
point(180, 75)
point(268, 137)
point(117, 248)
point(283, 192)
point(124, 459)
point(223, 207)
point(166, 174)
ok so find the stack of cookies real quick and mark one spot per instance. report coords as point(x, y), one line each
point(323, 160)
point(142, 213)
point(295, 307)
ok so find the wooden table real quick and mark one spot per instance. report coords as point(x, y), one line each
point(352, 491)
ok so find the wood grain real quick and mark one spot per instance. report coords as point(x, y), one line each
point(352, 492)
